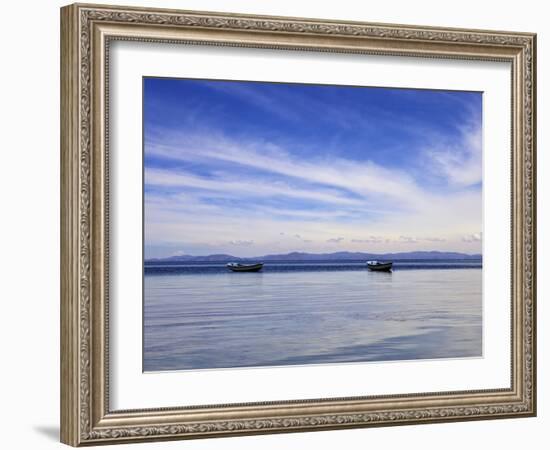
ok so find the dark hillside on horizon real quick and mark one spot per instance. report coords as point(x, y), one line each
point(336, 256)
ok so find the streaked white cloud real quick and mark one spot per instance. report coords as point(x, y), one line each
point(459, 163)
point(365, 180)
point(249, 193)
point(227, 184)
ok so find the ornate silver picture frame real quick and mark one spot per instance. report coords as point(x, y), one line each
point(87, 33)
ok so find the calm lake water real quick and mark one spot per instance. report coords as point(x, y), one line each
point(201, 316)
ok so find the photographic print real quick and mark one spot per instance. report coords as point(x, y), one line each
point(259, 214)
point(291, 224)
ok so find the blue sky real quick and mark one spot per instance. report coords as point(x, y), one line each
point(251, 168)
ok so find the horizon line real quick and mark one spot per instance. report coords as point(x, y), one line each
point(480, 254)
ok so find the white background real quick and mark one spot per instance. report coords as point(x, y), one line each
point(29, 182)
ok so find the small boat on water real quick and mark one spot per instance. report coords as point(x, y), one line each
point(239, 267)
point(380, 266)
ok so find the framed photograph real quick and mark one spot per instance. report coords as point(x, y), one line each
point(275, 224)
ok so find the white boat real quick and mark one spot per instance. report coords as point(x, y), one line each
point(380, 266)
point(239, 267)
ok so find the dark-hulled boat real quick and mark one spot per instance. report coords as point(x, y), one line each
point(239, 267)
point(380, 266)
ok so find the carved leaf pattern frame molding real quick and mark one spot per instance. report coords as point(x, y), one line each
point(86, 32)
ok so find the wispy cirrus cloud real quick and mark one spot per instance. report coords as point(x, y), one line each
point(226, 184)
point(256, 185)
point(363, 180)
point(459, 161)
point(258, 99)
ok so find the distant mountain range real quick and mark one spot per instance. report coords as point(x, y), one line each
point(300, 256)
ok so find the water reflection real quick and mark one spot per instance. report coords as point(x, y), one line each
point(264, 319)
